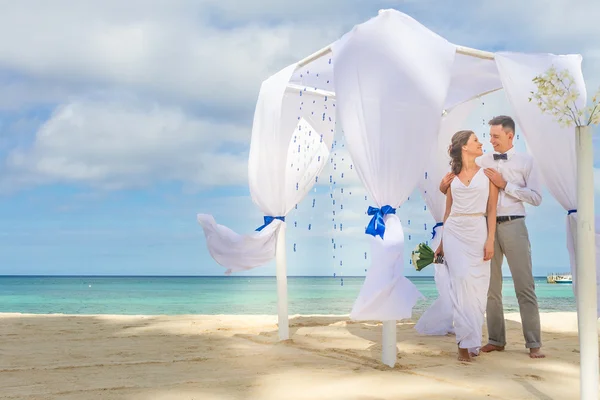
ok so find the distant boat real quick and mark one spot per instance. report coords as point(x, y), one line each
point(560, 278)
point(564, 279)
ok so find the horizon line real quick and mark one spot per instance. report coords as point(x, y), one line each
point(208, 276)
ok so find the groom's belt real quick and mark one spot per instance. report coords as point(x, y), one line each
point(506, 218)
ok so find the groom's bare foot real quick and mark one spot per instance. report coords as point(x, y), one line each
point(536, 353)
point(463, 355)
point(488, 348)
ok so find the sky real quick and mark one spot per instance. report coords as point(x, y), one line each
point(120, 121)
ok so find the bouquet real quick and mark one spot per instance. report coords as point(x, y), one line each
point(423, 255)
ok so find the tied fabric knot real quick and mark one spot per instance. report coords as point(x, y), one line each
point(268, 220)
point(433, 231)
point(376, 226)
point(571, 212)
point(500, 157)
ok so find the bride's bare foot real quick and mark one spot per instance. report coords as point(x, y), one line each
point(463, 355)
point(488, 348)
point(473, 354)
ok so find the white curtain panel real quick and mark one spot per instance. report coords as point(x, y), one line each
point(551, 146)
point(289, 148)
point(391, 79)
point(437, 319)
point(471, 77)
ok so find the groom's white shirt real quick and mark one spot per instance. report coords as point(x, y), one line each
point(523, 184)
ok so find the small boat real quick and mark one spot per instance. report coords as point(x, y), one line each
point(564, 279)
point(560, 278)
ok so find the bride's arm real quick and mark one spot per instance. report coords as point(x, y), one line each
point(440, 249)
point(492, 206)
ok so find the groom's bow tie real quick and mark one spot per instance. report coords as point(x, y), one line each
point(500, 157)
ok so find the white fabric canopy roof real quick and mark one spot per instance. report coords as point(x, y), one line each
point(390, 79)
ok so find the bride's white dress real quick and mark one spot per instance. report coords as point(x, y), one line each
point(464, 237)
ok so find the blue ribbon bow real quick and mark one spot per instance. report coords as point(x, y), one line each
point(268, 220)
point(571, 212)
point(376, 226)
point(433, 232)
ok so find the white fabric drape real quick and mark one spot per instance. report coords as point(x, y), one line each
point(289, 148)
point(471, 77)
point(391, 78)
point(437, 319)
point(551, 146)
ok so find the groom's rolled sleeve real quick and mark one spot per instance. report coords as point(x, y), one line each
point(532, 192)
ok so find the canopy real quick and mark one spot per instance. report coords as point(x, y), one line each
point(394, 88)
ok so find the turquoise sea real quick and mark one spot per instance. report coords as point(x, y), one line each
point(217, 295)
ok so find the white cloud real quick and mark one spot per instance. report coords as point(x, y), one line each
point(222, 49)
point(171, 50)
point(562, 27)
point(207, 56)
point(116, 144)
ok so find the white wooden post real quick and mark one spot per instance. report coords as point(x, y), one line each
point(388, 342)
point(586, 266)
point(282, 292)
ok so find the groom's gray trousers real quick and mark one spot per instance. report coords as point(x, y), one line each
point(512, 241)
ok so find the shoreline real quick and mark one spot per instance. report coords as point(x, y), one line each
point(508, 315)
point(231, 276)
point(217, 357)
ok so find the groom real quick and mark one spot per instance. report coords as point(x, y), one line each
point(515, 176)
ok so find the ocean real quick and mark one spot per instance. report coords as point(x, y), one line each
point(217, 295)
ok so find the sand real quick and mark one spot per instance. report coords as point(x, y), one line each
point(239, 357)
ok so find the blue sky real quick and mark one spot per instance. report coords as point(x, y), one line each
point(119, 122)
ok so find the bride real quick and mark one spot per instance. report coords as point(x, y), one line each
point(468, 241)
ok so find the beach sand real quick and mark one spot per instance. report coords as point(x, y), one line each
point(239, 357)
